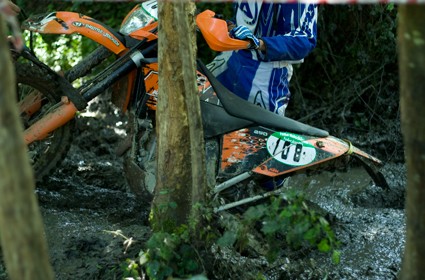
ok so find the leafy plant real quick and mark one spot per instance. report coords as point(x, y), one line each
point(130, 269)
point(284, 221)
point(169, 254)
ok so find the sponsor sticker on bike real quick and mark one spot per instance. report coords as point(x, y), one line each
point(290, 149)
point(96, 29)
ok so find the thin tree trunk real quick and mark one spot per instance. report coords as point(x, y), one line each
point(180, 153)
point(411, 39)
point(21, 228)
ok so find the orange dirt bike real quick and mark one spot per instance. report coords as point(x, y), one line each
point(243, 141)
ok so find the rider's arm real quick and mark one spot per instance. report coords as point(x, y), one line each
point(297, 30)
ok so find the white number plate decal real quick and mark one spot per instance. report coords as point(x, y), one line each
point(290, 149)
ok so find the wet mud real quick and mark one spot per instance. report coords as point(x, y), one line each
point(87, 199)
point(86, 205)
point(367, 220)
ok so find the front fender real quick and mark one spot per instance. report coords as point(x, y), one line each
point(69, 23)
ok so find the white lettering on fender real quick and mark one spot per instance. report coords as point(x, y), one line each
point(96, 29)
point(259, 132)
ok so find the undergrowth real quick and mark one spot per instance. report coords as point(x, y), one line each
point(286, 223)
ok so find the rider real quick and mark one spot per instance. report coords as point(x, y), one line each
point(280, 35)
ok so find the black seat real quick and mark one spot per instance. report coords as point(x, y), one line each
point(240, 108)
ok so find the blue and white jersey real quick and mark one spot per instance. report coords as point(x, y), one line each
point(262, 77)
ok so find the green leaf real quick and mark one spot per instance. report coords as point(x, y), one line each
point(198, 277)
point(228, 239)
point(324, 246)
point(286, 214)
point(164, 273)
point(302, 226)
point(323, 222)
point(152, 268)
point(336, 256)
point(312, 234)
point(255, 213)
point(270, 227)
point(191, 265)
point(144, 258)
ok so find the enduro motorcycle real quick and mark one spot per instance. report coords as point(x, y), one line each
point(243, 141)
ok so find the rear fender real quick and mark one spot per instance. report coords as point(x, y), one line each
point(70, 23)
point(272, 153)
point(290, 152)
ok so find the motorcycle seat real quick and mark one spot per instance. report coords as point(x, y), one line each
point(243, 109)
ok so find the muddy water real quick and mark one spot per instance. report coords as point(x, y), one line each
point(368, 220)
point(88, 198)
point(86, 201)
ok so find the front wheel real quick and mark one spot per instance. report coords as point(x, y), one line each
point(37, 95)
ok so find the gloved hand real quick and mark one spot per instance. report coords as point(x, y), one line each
point(242, 32)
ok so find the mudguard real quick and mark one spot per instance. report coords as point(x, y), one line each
point(273, 153)
point(69, 23)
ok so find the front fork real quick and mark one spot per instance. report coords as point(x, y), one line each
point(77, 100)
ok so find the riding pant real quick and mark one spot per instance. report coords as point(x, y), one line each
point(265, 84)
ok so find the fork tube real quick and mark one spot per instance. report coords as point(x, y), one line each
point(88, 63)
point(50, 122)
point(108, 78)
point(66, 111)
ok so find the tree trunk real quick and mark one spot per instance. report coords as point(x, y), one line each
point(21, 228)
point(411, 39)
point(180, 153)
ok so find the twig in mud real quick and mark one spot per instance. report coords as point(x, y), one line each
point(127, 240)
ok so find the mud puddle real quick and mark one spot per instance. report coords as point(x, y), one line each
point(368, 221)
point(88, 196)
point(87, 208)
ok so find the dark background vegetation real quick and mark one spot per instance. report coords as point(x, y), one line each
point(348, 85)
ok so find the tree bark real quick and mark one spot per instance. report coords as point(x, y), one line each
point(411, 39)
point(180, 153)
point(21, 228)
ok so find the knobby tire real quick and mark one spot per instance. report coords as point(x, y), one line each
point(47, 154)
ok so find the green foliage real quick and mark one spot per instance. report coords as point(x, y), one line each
point(173, 251)
point(170, 254)
point(352, 70)
point(62, 52)
point(130, 269)
point(289, 220)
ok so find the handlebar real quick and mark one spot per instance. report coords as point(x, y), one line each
point(216, 34)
